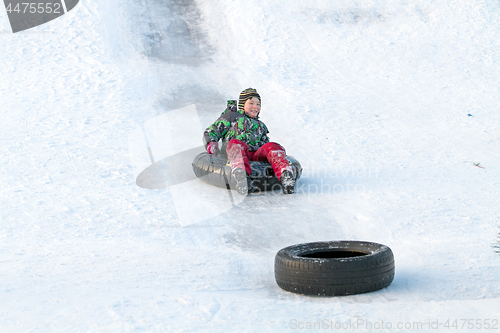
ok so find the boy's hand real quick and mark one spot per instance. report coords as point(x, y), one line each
point(213, 148)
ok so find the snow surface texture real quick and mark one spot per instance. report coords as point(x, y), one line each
point(391, 107)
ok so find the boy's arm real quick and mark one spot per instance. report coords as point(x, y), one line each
point(217, 130)
point(221, 126)
point(265, 138)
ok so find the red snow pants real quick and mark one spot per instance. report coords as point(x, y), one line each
point(239, 156)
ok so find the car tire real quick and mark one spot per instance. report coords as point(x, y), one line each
point(334, 268)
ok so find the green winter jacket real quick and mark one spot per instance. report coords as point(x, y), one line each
point(236, 124)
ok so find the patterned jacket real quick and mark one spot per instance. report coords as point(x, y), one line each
point(236, 124)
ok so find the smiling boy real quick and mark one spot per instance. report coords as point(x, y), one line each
point(245, 139)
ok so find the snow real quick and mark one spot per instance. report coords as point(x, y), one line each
point(392, 109)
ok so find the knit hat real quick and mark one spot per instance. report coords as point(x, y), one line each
point(247, 94)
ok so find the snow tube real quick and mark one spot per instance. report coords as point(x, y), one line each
point(215, 170)
point(334, 268)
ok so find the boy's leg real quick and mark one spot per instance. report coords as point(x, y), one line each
point(275, 155)
point(238, 155)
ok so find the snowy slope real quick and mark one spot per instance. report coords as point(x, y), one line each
point(392, 109)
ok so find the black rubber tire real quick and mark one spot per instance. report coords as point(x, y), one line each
point(334, 268)
point(213, 169)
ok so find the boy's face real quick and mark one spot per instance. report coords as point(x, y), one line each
point(252, 107)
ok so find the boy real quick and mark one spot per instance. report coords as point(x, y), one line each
point(244, 138)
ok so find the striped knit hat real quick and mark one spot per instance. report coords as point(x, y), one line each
point(247, 94)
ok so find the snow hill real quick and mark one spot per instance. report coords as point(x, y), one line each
point(391, 107)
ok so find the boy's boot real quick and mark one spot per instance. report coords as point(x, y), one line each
point(287, 182)
point(244, 185)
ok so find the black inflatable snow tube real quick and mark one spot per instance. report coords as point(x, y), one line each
point(214, 169)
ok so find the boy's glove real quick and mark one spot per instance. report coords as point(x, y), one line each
point(213, 148)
